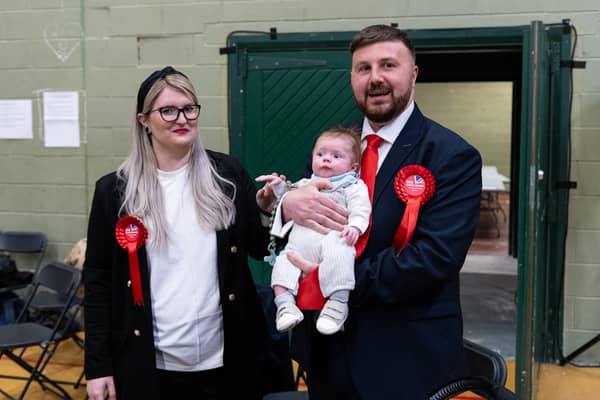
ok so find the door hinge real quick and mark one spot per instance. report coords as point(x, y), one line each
point(232, 49)
point(572, 64)
point(566, 26)
point(566, 185)
point(227, 50)
point(273, 33)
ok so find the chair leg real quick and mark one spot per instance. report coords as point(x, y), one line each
point(300, 374)
point(51, 352)
point(36, 374)
point(78, 383)
point(8, 396)
point(79, 341)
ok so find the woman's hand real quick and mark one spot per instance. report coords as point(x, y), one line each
point(307, 206)
point(96, 388)
point(274, 187)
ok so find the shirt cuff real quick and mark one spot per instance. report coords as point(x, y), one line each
point(279, 229)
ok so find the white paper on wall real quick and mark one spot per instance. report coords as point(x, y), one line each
point(61, 119)
point(16, 119)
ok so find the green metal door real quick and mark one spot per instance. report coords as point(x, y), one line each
point(542, 199)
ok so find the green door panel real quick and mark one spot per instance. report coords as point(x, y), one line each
point(287, 104)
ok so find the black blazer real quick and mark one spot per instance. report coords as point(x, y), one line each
point(403, 336)
point(119, 337)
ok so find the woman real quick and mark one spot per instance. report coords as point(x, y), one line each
point(191, 325)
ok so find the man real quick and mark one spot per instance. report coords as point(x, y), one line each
point(403, 335)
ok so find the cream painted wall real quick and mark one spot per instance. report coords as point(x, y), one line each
point(481, 112)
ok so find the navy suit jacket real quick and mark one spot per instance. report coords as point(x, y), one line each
point(403, 336)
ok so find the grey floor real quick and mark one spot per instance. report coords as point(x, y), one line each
point(488, 287)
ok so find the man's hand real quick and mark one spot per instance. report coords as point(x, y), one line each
point(301, 263)
point(96, 388)
point(307, 206)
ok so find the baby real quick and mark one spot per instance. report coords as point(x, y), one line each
point(335, 157)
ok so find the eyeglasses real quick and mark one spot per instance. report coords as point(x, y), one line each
point(171, 113)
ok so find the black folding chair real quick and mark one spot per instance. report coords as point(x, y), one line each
point(26, 243)
point(44, 309)
point(486, 376)
point(56, 281)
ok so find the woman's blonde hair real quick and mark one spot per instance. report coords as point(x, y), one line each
point(142, 196)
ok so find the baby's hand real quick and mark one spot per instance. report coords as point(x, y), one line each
point(266, 196)
point(351, 234)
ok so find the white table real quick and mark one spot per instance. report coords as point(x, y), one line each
point(493, 183)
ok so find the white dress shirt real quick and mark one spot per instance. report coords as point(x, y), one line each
point(388, 132)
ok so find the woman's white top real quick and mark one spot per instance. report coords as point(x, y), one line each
point(188, 319)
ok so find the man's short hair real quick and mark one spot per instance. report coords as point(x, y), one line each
point(380, 33)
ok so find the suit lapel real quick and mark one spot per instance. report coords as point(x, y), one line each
point(404, 144)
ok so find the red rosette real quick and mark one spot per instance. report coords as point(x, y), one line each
point(414, 186)
point(131, 235)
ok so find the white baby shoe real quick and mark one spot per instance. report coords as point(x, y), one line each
point(332, 317)
point(288, 316)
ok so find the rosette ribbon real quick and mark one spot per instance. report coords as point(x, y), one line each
point(131, 235)
point(414, 185)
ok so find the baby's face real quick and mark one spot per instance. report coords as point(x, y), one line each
point(332, 156)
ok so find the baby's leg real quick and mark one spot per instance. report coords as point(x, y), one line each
point(336, 271)
point(306, 243)
point(336, 278)
point(285, 276)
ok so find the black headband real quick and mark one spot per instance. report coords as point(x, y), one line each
point(150, 81)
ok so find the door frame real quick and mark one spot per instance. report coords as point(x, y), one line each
point(539, 275)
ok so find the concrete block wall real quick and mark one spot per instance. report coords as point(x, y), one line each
point(582, 275)
point(41, 189)
point(124, 40)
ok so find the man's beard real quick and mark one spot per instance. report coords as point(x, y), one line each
point(380, 116)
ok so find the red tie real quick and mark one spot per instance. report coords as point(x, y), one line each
point(368, 171)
